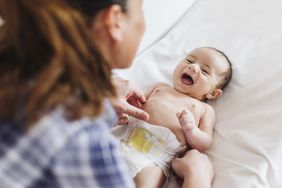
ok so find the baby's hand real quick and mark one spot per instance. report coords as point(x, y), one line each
point(186, 120)
point(123, 119)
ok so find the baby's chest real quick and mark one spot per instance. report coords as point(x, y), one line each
point(172, 100)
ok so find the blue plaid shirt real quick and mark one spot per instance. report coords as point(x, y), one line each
point(57, 153)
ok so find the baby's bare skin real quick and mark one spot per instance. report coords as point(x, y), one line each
point(182, 108)
point(164, 102)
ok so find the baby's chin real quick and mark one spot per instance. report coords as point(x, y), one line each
point(181, 89)
point(188, 92)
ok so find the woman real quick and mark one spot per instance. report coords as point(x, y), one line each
point(56, 58)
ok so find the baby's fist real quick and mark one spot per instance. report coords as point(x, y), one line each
point(186, 120)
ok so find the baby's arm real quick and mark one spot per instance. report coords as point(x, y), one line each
point(148, 91)
point(198, 137)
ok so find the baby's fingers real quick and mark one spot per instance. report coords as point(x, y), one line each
point(186, 120)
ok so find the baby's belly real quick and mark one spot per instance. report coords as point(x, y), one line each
point(163, 107)
point(167, 118)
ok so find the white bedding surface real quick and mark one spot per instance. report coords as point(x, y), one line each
point(160, 16)
point(247, 147)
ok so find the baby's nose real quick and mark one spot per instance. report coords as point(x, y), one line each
point(194, 68)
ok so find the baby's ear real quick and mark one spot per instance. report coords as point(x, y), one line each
point(215, 93)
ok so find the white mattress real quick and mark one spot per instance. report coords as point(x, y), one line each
point(247, 147)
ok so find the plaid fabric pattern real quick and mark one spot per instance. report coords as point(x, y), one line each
point(61, 154)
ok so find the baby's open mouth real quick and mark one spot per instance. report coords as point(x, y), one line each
point(186, 79)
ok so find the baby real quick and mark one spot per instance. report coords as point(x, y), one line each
point(179, 116)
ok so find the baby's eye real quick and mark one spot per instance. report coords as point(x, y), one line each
point(188, 61)
point(205, 71)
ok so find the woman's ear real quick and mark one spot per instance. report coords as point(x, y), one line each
point(215, 93)
point(114, 22)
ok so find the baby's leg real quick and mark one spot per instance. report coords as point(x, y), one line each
point(150, 177)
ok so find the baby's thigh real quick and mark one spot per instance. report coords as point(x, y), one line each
point(150, 177)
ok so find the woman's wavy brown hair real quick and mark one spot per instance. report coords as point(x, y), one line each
point(48, 59)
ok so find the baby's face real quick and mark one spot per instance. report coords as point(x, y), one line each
point(200, 72)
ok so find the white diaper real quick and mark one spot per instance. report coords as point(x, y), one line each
point(143, 145)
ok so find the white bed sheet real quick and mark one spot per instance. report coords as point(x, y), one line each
point(160, 17)
point(247, 147)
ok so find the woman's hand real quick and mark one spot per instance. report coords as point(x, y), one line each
point(130, 100)
point(195, 168)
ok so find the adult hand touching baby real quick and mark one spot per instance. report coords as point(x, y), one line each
point(130, 100)
point(195, 168)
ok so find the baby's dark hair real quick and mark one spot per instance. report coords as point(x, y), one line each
point(227, 75)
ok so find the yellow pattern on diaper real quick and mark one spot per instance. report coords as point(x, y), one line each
point(142, 140)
